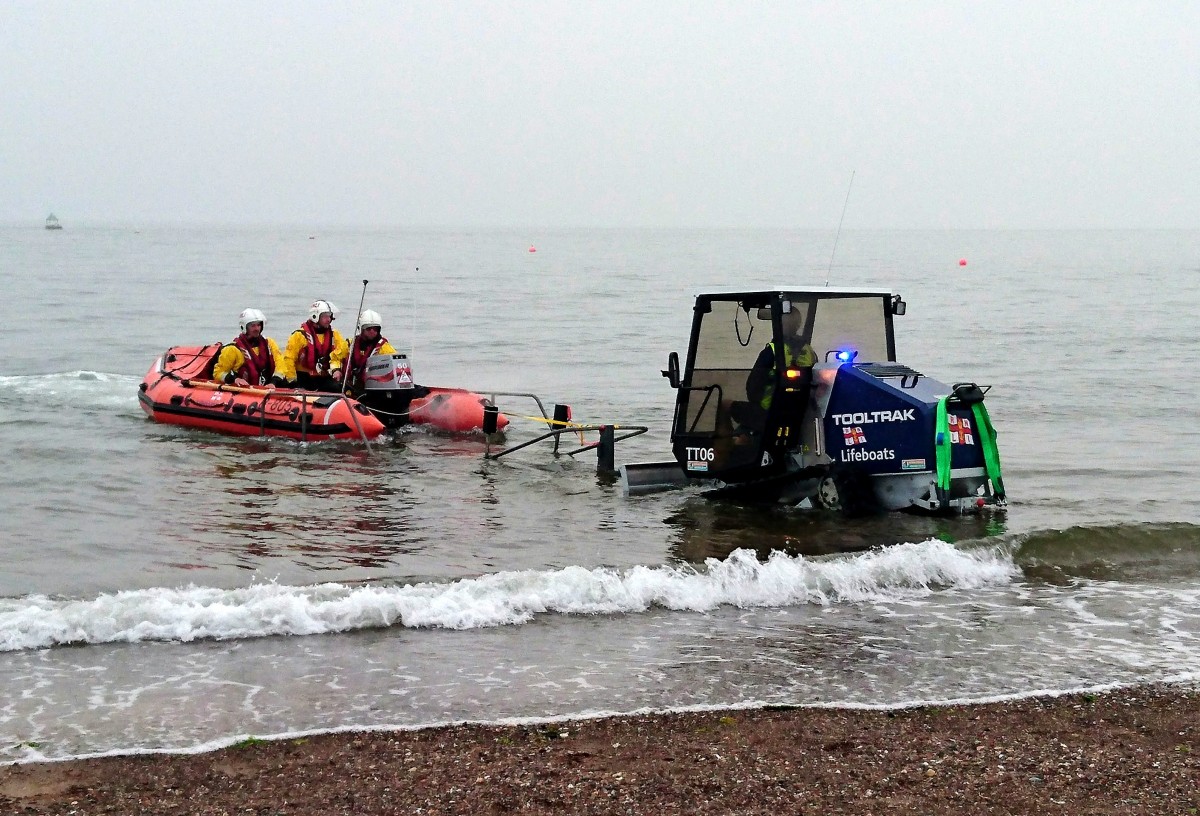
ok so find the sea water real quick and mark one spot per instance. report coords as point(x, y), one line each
point(167, 589)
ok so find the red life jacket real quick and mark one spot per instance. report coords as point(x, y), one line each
point(258, 366)
point(316, 358)
point(359, 354)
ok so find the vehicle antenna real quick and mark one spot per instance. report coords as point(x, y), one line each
point(839, 229)
point(350, 356)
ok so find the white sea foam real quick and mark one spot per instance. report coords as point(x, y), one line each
point(94, 388)
point(499, 599)
point(32, 383)
point(26, 753)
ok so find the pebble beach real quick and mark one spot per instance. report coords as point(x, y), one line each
point(1130, 750)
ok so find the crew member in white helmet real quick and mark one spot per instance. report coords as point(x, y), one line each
point(370, 340)
point(316, 351)
point(250, 359)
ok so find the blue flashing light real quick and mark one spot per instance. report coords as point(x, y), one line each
point(846, 355)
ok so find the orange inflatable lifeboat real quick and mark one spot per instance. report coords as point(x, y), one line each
point(177, 391)
point(395, 399)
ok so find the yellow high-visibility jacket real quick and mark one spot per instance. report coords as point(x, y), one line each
point(296, 357)
point(793, 357)
point(232, 363)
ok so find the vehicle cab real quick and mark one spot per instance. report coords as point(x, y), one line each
point(758, 364)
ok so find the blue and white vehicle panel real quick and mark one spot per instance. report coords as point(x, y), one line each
point(885, 425)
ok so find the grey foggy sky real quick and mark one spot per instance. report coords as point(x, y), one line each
point(957, 115)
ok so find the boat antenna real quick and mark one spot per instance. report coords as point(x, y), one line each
point(350, 355)
point(412, 323)
point(839, 229)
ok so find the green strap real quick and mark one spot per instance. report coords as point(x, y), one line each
point(987, 439)
point(991, 454)
point(941, 445)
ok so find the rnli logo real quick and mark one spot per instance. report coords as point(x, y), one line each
point(960, 430)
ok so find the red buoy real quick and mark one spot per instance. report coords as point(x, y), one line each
point(532, 248)
point(962, 261)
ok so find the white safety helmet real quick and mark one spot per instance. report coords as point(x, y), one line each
point(249, 316)
point(369, 318)
point(318, 308)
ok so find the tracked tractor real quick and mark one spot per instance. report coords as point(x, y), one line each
point(796, 396)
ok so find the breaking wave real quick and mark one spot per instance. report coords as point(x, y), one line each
point(499, 599)
point(1118, 552)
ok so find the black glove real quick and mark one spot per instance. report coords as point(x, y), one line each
point(279, 382)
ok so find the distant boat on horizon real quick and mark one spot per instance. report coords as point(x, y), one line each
point(52, 222)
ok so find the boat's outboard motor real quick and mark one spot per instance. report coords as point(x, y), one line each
point(388, 372)
point(389, 388)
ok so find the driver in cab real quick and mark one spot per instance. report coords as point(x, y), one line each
point(797, 356)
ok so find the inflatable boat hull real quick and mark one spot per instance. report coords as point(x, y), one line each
point(175, 392)
point(452, 409)
point(446, 409)
point(396, 400)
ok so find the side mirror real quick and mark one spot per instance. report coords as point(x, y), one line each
point(672, 370)
point(898, 305)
